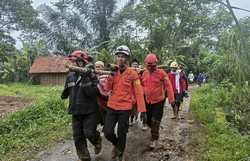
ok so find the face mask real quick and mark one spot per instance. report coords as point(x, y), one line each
point(151, 67)
point(174, 69)
point(121, 66)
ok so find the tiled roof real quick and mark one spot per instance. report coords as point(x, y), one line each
point(49, 64)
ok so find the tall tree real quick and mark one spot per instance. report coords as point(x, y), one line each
point(15, 15)
point(66, 29)
point(99, 13)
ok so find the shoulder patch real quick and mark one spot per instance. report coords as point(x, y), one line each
point(165, 77)
point(137, 82)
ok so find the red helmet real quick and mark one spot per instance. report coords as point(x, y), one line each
point(151, 59)
point(78, 54)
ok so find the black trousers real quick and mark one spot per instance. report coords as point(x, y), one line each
point(84, 127)
point(154, 116)
point(178, 100)
point(101, 116)
point(144, 118)
point(122, 118)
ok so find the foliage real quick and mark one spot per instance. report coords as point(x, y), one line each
point(104, 56)
point(218, 140)
point(227, 62)
point(191, 32)
point(98, 13)
point(27, 90)
point(77, 24)
point(137, 48)
point(16, 14)
point(66, 30)
point(15, 66)
point(238, 109)
point(176, 25)
point(24, 133)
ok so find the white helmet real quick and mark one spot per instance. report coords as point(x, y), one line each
point(123, 49)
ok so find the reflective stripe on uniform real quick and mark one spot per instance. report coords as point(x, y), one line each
point(137, 82)
point(78, 79)
point(71, 84)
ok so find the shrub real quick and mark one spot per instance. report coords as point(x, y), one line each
point(30, 130)
point(222, 141)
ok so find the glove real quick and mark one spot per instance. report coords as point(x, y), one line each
point(113, 67)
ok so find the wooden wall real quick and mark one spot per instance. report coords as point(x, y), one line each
point(52, 78)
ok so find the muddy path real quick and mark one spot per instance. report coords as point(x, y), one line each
point(174, 138)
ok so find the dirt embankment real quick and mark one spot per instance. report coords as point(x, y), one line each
point(12, 104)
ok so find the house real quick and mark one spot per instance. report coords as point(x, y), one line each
point(49, 70)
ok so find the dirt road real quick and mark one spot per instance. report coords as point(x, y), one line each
point(174, 137)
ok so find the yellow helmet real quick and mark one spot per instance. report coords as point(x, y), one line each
point(99, 63)
point(174, 64)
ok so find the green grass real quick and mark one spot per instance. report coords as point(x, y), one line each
point(43, 123)
point(27, 90)
point(215, 140)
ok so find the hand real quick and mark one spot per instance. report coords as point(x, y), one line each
point(172, 103)
point(112, 67)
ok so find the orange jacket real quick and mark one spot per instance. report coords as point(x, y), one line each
point(122, 85)
point(133, 93)
point(155, 86)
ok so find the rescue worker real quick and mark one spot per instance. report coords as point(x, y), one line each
point(122, 84)
point(141, 116)
point(133, 116)
point(81, 88)
point(178, 84)
point(185, 81)
point(135, 64)
point(200, 79)
point(102, 97)
point(155, 83)
point(183, 77)
point(191, 77)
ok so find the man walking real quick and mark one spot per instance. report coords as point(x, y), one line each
point(155, 84)
point(81, 88)
point(122, 84)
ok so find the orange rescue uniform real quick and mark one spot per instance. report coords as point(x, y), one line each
point(122, 86)
point(155, 86)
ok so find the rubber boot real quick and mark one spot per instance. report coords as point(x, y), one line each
point(98, 146)
point(154, 133)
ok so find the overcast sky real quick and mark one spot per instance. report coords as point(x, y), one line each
point(238, 3)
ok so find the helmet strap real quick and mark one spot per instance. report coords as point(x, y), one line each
point(122, 68)
point(82, 64)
